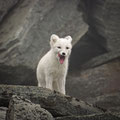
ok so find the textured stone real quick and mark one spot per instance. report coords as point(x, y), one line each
point(106, 116)
point(110, 101)
point(103, 18)
point(102, 37)
point(23, 109)
point(94, 82)
point(85, 50)
point(25, 35)
point(54, 102)
point(101, 59)
point(6, 6)
point(3, 113)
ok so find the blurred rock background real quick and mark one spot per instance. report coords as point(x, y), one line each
point(94, 71)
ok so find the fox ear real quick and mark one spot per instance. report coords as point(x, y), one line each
point(53, 39)
point(69, 38)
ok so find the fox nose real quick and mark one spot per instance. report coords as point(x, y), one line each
point(63, 54)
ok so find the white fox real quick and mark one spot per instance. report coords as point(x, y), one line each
point(53, 66)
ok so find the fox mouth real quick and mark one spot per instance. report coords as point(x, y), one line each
point(61, 58)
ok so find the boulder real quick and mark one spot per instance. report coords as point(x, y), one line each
point(23, 109)
point(57, 104)
point(25, 36)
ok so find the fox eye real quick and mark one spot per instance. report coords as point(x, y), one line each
point(67, 47)
point(59, 47)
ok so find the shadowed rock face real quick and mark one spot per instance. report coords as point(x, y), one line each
point(94, 65)
point(103, 35)
point(6, 6)
point(103, 18)
point(98, 85)
point(17, 75)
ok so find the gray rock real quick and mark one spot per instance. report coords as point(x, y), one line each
point(101, 42)
point(106, 116)
point(101, 59)
point(103, 19)
point(111, 102)
point(57, 104)
point(25, 35)
point(3, 113)
point(23, 109)
point(84, 51)
point(94, 82)
point(6, 6)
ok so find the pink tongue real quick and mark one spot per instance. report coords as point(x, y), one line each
point(61, 61)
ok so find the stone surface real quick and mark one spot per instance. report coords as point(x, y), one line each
point(103, 18)
point(85, 50)
point(25, 36)
point(57, 104)
point(111, 102)
point(102, 37)
point(106, 116)
point(25, 29)
point(6, 6)
point(3, 113)
point(94, 82)
point(23, 109)
point(101, 59)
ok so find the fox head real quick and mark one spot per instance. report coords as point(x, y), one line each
point(61, 47)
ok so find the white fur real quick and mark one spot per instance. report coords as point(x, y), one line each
point(50, 73)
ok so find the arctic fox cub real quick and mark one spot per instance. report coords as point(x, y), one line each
point(53, 66)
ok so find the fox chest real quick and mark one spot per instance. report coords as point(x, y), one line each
point(57, 71)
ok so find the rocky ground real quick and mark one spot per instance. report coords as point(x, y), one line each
point(34, 103)
point(94, 70)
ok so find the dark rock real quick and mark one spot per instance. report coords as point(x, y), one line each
point(18, 78)
point(101, 59)
point(94, 82)
point(25, 35)
point(3, 113)
point(111, 102)
point(6, 6)
point(102, 37)
point(103, 18)
point(23, 109)
point(106, 116)
point(117, 114)
point(54, 102)
point(85, 50)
